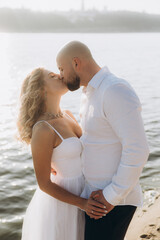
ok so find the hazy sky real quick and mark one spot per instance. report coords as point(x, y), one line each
point(150, 6)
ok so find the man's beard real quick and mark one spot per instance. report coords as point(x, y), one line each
point(75, 84)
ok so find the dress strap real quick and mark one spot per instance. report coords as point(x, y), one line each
point(50, 127)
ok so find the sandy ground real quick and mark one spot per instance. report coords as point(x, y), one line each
point(146, 223)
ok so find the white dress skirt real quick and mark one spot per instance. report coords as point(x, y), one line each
point(47, 218)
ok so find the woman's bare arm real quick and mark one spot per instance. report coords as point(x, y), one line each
point(43, 141)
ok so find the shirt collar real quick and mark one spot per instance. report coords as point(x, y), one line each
point(98, 77)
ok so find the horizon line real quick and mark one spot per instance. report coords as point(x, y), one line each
point(80, 10)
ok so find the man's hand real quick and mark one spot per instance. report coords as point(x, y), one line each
point(98, 196)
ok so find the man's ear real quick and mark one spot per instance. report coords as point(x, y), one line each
point(76, 63)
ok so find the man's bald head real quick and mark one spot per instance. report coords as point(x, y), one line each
point(76, 65)
point(75, 49)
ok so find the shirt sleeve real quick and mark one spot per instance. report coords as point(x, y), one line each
point(122, 109)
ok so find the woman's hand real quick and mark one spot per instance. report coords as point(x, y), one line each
point(99, 197)
point(93, 208)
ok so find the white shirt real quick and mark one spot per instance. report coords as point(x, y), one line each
point(114, 141)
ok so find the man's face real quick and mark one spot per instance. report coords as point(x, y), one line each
point(68, 75)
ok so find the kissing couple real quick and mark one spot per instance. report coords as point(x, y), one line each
point(94, 191)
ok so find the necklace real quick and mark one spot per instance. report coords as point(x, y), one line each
point(51, 115)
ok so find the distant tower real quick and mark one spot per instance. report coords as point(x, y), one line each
point(82, 6)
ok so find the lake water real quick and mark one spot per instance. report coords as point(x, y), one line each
point(135, 57)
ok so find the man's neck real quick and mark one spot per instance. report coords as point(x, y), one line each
point(89, 74)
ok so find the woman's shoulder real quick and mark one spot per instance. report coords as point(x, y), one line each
point(68, 112)
point(42, 132)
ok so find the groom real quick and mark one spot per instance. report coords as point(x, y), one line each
point(114, 141)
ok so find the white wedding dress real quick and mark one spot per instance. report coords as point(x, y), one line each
point(48, 218)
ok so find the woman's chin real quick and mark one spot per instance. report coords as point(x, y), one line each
point(65, 90)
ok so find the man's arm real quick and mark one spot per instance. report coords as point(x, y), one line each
point(122, 110)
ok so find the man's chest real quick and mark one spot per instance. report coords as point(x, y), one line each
point(93, 122)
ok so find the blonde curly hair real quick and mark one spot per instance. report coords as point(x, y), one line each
point(32, 104)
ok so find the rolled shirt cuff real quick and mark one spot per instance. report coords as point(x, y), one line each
point(111, 196)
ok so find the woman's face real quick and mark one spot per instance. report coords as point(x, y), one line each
point(53, 83)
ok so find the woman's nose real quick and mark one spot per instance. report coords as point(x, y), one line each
point(57, 75)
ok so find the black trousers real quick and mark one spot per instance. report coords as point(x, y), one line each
point(113, 226)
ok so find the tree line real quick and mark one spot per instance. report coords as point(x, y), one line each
point(24, 20)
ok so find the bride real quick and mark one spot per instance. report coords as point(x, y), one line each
point(55, 211)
